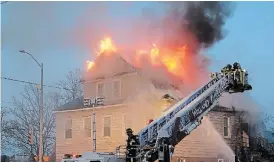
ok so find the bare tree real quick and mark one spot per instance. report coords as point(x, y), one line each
point(269, 122)
point(71, 85)
point(5, 128)
point(25, 116)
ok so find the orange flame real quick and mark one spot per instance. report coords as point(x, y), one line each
point(90, 64)
point(106, 45)
point(177, 62)
point(172, 60)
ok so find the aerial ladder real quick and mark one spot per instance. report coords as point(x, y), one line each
point(158, 139)
point(164, 133)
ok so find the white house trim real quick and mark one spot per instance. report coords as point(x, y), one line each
point(122, 75)
point(90, 108)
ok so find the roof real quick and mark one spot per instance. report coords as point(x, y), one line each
point(72, 105)
point(107, 65)
point(122, 67)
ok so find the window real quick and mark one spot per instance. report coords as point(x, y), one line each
point(100, 89)
point(226, 127)
point(181, 160)
point(116, 89)
point(87, 126)
point(107, 126)
point(126, 123)
point(68, 127)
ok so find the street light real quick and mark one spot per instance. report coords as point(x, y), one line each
point(41, 108)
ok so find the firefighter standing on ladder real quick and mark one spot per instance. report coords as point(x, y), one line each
point(132, 145)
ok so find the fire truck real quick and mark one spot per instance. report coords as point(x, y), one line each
point(158, 139)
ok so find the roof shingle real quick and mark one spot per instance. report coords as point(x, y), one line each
point(72, 105)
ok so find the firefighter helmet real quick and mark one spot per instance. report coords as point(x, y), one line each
point(236, 65)
point(129, 130)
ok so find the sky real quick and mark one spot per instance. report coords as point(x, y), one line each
point(52, 31)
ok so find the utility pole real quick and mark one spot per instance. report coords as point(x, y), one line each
point(41, 125)
point(41, 118)
point(94, 129)
point(93, 103)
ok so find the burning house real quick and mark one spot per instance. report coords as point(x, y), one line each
point(132, 98)
point(133, 84)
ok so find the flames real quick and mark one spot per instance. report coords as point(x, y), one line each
point(172, 60)
point(177, 62)
point(90, 64)
point(106, 46)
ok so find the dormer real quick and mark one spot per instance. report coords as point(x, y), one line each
point(111, 77)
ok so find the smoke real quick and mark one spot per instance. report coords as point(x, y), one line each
point(169, 25)
point(41, 27)
point(206, 20)
point(199, 25)
point(210, 143)
point(251, 110)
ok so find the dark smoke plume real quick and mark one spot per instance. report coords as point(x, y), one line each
point(206, 20)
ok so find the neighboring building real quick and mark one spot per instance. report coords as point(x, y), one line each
point(121, 84)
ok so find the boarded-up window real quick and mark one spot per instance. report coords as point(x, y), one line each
point(87, 126)
point(100, 89)
point(126, 123)
point(117, 89)
point(107, 127)
point(226, 127)
point(68, 128)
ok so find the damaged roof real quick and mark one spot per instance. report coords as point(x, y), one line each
point(107, 65)
point(229, 101)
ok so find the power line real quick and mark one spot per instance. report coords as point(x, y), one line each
point(21, 81)
point(5, 102)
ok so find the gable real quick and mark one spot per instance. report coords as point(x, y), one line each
point(107, 65)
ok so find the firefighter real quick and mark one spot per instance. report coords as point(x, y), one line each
point(132, 145)
point(236, 65)
point(227, 69)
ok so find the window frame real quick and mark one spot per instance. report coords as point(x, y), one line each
point(228, 127)
point(97, 88)
point(123, 125)
point(103, 131)
point(113, 90)
point(66, 128)
point(83, 119)
point(181, 160)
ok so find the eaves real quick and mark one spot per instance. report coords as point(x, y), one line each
point(90, 108)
